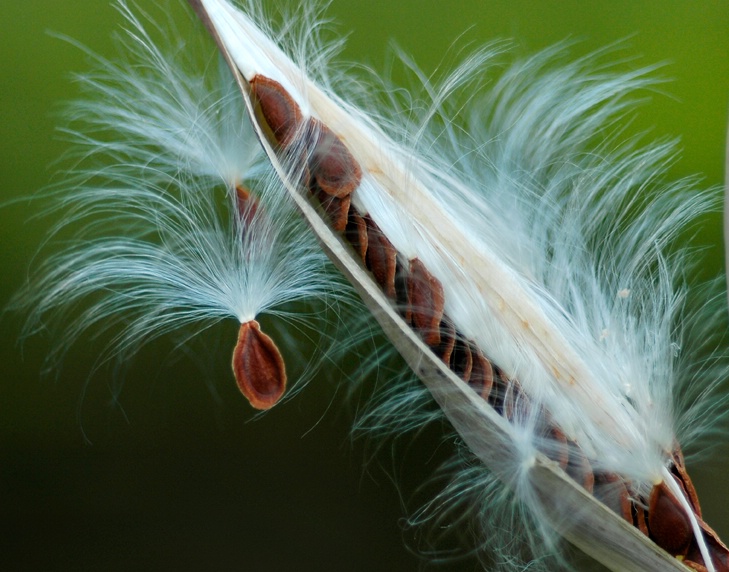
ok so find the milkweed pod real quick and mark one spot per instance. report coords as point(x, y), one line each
point(538, 284)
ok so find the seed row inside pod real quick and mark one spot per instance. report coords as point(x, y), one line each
point(331, 175)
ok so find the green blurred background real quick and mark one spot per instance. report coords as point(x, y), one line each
point(173, 472)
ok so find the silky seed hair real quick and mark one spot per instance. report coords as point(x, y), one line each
point(177, 220)
point(512, 245)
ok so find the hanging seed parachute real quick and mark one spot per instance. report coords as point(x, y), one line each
point(520, 266)
point(182, 220)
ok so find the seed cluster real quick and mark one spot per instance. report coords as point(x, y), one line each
point(331, 174)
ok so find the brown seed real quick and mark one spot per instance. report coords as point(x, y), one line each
point(640, 518)
point(426, 298)
point(333, 168)
point(482, 374)
point(668, 524)
point(337, 210)
point(356, 233)
point(444, 350)
point(280, 113)
point(611, 490)
point(258, 367)
point(381, 258)
point(462, 360)
point(402, 301)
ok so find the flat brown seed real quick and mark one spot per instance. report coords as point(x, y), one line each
point(639, 518)
point(482, 373)
point(356, 233)
point(668, 524)
point(462, 360)
point(444, 350)
point(611, 490)
point(333, 168)
point(337, 210)
point(258, 367)
point(381, 258)
point(427, 300)
point(279, 111)
point(402, 301)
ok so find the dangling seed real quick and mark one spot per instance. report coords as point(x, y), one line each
point(356, 233)
point(482, 373)
point(278, 110)
point(333, 168)
point(668, 524)
point(425, 294)
point(381, 258)
point(258, 367)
